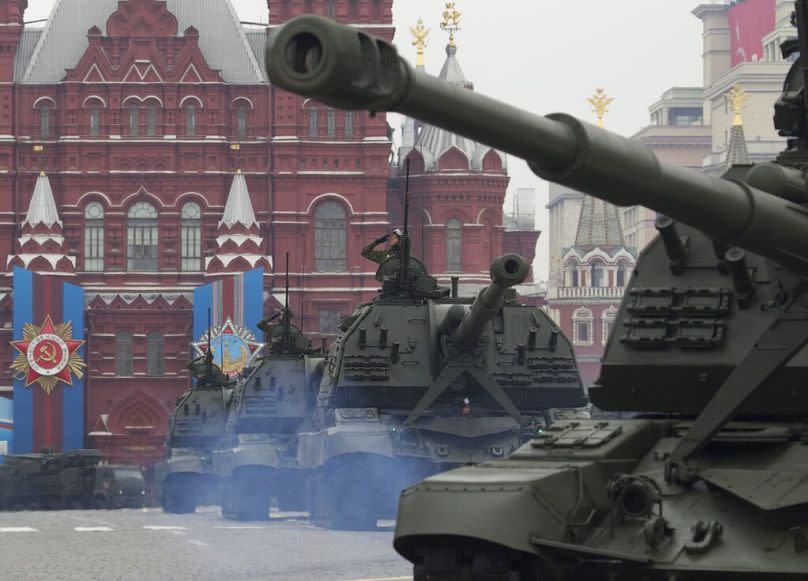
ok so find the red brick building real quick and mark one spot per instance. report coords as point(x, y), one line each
point(169, 160)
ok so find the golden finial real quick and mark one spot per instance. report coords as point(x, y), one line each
point(451, 21)
point(600, 101)
point(38, 148)
point(42, 173)
point(420, 34)
point(737, 98)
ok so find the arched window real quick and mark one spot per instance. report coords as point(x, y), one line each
point(572, 269)
point(331, 122)
point(582, 326)
point(191, 237)
point(313, 122)
point(94, 237)
point(621, 274)
point(329, 237)
point(348, 123)
point(134, 120)
point(190, 120)
point(123, 354)
point(154, 354)
point(241, 121)
point(142, 238)
point(95, 120)
point(454, 246)
point(598, 274)
point(607, 322)
point(151, 120)
point(44, 120)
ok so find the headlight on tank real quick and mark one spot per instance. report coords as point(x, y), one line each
point(142, 493)
point(120, 492)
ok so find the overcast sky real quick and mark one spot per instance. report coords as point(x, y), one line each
point(550, 55)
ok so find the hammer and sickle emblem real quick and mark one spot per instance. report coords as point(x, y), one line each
point(47, 353)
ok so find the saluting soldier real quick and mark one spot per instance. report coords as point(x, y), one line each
point(393, 248)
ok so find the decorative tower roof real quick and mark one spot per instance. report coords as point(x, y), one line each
point(41, 244)
point(432, 142)
point(737, 154)
point(42, 208)
point(239, 241)
point(238, 209)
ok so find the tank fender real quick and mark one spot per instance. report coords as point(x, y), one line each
point(316, 448)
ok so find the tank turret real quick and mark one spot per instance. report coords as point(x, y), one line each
point(709, 349)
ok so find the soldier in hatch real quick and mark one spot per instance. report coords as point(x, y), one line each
point(393, 248)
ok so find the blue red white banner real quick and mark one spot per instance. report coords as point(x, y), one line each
point(49, 364)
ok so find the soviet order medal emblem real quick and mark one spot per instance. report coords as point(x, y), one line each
point(234, 347)
point(48, 354)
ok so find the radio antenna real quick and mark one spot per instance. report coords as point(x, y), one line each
point(404, 275)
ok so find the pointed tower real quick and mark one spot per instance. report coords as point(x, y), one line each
point(594, 273)
point(41, 243)
point(239, 239)
point(457, 186)
point(737, 154)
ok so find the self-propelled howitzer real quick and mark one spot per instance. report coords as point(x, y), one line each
point(711, 335)
point(419, 381)
point(196, 427)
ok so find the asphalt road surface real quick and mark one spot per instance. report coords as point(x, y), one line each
point(146, 545)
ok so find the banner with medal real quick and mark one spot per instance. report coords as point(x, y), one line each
point(236, 305)
point(49, 364)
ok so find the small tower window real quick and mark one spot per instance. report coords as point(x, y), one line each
point(349, 124)
point(123, 354)
point(134, 120)
point(332, 122)
point(331, 9)
point(621, 275)
point(95, 120)
point(313, 122)
point(582, 326)
point(454, 246)
point(241, 122)
point(154, 354)
point(191, 237)
point(151, 120)
point(598, 274)
point(94, 237)
point(190, 120)
point(45, 120)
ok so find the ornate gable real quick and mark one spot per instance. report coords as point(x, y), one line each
point(141, 18)
point(142, 46)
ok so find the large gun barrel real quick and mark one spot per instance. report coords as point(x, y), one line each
point(506, 271)
point(347, 68)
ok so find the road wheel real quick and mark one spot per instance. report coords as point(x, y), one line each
point(178, 497)
point(249, 496)
point(342, 498)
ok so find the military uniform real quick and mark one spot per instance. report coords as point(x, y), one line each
point(379, 256)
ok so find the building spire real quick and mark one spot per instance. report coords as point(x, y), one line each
point(42, 209)
point(451, 22)
point(420, 36)
point(600, 103)
point(238, 209)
